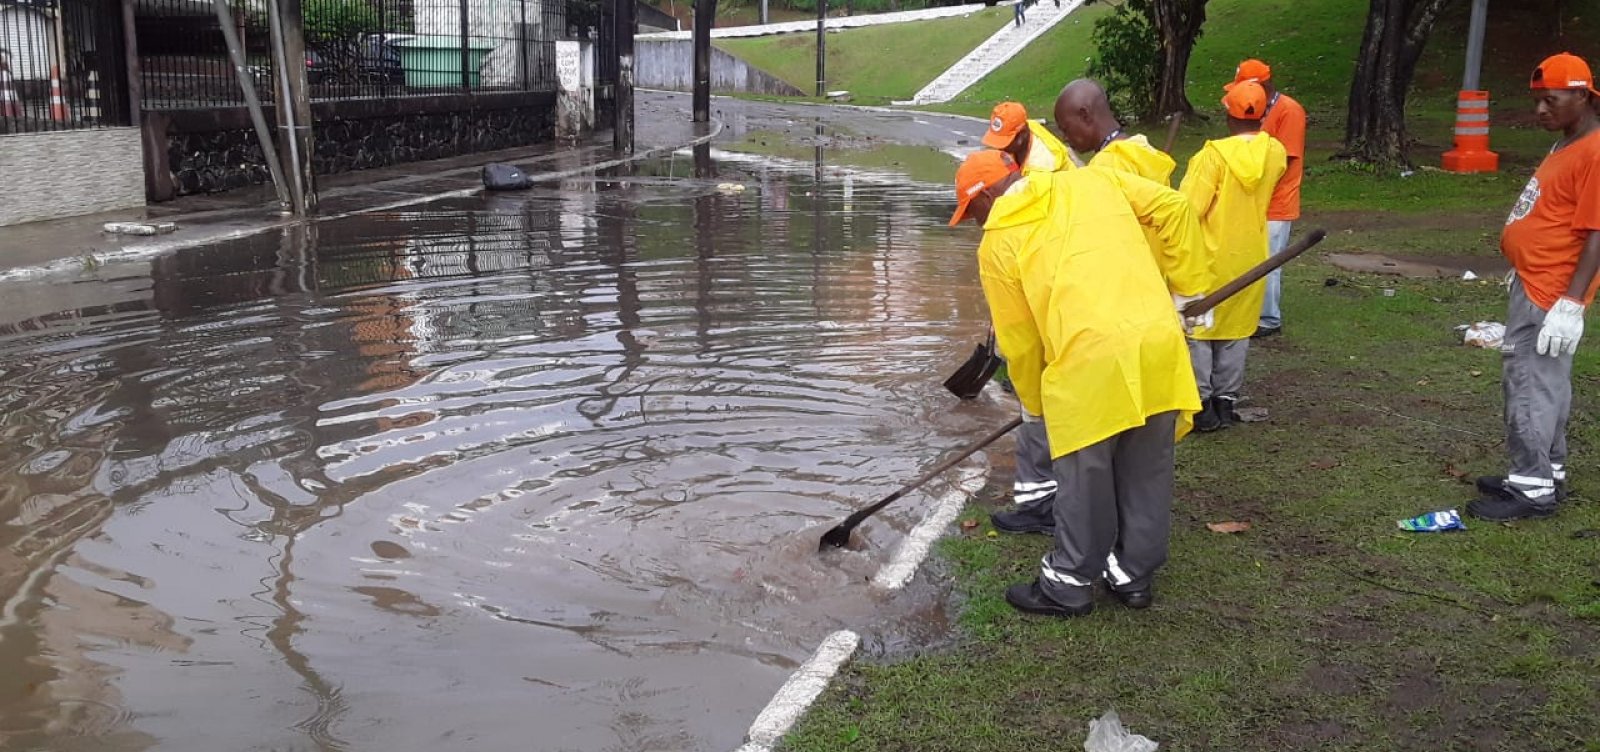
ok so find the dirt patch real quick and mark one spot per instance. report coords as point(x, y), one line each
point(1420, 267)
point(1337, 679)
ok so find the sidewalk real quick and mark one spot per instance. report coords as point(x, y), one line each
point(834, 23)
point(39, 248)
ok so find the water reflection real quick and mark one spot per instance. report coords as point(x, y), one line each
point(528, 466)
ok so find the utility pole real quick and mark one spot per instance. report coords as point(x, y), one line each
point(763, 16)
point(705, 16)
point(293, 95)
point(623, 27)
point(822, 48)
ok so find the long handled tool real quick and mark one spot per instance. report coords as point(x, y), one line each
point(1172, 130)
point(839, 535)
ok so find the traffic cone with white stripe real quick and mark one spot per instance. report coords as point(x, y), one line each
point(1472, 136)
point(91, 98)
point(58, 104)
point(10, 103)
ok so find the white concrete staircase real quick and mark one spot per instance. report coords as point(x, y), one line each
point(1007, 42)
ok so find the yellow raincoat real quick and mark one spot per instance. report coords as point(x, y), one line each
point(1046, 153)
point(1230, 183)
point(1091, 339)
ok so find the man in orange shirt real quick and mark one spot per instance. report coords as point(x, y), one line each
point(1552, 239)
point(1285, 121)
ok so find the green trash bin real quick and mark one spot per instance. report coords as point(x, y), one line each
point(436, 60)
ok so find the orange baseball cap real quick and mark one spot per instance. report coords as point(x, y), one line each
point(1246, 100)
point(1250, 70)
point(981, 169)
point(1005, 122)
point(1563, 71)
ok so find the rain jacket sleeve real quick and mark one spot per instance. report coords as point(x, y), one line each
point(1182, 253)
point(1201, 182)
point(1015, 331)
point(1047, 154)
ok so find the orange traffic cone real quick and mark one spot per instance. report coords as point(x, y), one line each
point(10, 103)
point(58, 105)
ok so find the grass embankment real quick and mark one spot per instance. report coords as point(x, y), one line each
point(1323, 627)
point(876, 64)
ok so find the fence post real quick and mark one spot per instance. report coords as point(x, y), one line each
point(522, 44)
point(466, 56)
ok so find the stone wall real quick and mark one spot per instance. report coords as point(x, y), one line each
point(669, 64)
point(67, 173)
point(216, 150)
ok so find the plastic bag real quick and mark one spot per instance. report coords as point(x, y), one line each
point(1485, 334)
point(1106, 734)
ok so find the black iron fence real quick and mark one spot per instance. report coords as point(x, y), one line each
point(356, 48)
point(61, 64)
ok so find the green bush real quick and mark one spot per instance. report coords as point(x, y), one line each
point(1127, 58)
point(339, 20)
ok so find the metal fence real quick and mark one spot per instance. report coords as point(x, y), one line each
point(61, 64)
point(355, 48)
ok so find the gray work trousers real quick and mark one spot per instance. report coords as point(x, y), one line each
point(1034, 486)
point(1219, 366)
point(1538, 397)
point(1113, 513)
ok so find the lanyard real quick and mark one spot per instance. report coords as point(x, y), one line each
point(1114, 136)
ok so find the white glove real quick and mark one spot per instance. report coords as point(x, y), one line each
point(1191, 323)
point(1563, 327)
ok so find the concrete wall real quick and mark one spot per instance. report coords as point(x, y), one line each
point(205, 151)
point(66, 173)
point(669, 64)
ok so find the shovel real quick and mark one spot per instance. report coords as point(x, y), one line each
point(968, 380)
point(839, 535)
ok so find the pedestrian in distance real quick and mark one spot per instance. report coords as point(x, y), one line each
point(1286, 122)
point(1552, 239)
point(1028, 142)
point(1230, 182)
point(1021, 12)
point(1095, 349)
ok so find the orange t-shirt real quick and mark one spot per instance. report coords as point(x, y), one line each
point(1551, 221)
point(1286, 121)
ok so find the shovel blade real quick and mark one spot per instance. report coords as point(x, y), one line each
point(968, 380)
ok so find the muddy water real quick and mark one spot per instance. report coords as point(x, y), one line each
point(531, 471)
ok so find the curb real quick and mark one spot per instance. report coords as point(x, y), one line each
point(146, 250)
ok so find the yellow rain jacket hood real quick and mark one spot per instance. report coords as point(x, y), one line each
point(1230, 184)
point(1090, 337)
point(1047, 153)
point(1135, 154)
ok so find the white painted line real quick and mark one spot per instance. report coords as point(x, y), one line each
point(802, 689)
point(916, 546)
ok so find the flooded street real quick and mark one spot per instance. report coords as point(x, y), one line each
point(540, 470)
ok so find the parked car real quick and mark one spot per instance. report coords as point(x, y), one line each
point(371, 58)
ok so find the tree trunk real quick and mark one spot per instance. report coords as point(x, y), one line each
point(1177, 24)
point(1395, 35)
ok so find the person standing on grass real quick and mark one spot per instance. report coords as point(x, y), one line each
point(1028, 142)
point(1230, 182)
point(1286, 122)
point(1030, 148)
point(1094, 346)
point(1552, 239)
point(1083, 114)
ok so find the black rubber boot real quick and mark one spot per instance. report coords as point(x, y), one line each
point(1035, 518)
point(1208, 419)
point(1028, 598)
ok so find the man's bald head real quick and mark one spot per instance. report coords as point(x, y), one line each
point(1083, 114)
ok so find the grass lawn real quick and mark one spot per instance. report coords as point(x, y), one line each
point(876, 64)
point(1323, 627)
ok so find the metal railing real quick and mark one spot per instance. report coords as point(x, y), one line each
point(61, 64)
point(355, 48)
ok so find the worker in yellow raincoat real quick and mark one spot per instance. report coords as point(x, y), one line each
point(1230, 183)
point(1033, 148)
point(1032, 145)
point(1083, 113)
point(1095, 346)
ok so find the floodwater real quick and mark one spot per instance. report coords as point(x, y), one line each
point(542, 470)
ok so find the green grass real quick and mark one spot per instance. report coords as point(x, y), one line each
point(876, 64)
point(1323, 627)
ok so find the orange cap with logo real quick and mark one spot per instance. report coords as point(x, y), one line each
point(1245, 100)
point(1005, 122)
point(1251, 70)
point(981, 169)
point(1563, 71)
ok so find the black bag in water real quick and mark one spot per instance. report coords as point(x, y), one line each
point(504, 177)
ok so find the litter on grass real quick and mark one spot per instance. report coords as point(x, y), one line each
point(1485, 334)
point(1106, 734)
point(1433, 522)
